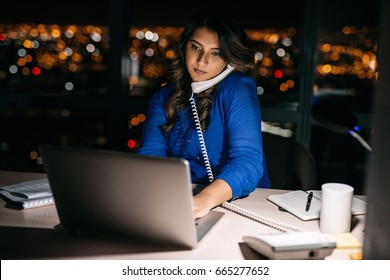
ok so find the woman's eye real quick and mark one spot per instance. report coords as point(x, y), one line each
point(215, 53)
point(194, 47)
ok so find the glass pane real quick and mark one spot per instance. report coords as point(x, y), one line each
point(345, 78)
point(53, 57)
point(347, 66)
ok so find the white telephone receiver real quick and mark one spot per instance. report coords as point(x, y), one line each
point(202, 86)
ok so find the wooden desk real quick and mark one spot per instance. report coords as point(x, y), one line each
point(30, 234)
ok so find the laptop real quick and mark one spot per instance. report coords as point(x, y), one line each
point(125, 195)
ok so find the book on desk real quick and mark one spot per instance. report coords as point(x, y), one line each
point(29, 194)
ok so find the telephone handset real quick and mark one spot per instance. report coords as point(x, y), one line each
point(202, 86)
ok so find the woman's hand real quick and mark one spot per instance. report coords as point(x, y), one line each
point(213, 195)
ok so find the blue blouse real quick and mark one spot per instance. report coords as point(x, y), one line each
point(233, 138)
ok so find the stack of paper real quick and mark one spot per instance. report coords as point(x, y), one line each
point(28, 194)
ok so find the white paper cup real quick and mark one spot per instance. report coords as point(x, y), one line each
point(336, 208)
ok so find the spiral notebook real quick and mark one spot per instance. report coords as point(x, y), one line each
point(295, 203)
point(281, 226)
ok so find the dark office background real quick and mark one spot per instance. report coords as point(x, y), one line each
point(80, 73)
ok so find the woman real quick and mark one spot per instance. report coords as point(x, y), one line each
point(212, 65)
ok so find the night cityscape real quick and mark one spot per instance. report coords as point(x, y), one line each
point(90, 169)
point(70, 63)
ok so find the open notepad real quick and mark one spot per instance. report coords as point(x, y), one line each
point(295, 203)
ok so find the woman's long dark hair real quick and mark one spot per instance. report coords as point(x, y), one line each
point(234, 49)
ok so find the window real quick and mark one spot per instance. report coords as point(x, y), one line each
point(81, 74)
point(345, 78)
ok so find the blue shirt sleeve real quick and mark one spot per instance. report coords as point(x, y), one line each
point(239, 105)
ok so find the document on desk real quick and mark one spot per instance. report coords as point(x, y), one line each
point(297, 203)
point(28, 194)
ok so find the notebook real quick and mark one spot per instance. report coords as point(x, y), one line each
point(295, 203)
point(29, 194)
point(124, 195)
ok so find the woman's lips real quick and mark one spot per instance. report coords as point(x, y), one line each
point(198, 71)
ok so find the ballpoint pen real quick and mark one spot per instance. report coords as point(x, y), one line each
point(308, 203)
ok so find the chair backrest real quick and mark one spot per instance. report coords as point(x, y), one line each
point(290, 164)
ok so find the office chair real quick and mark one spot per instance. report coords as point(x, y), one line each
point(290, 165)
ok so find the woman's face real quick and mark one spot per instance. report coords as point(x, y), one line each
point(203, 58)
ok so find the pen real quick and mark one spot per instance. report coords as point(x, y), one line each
point(308, 203)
